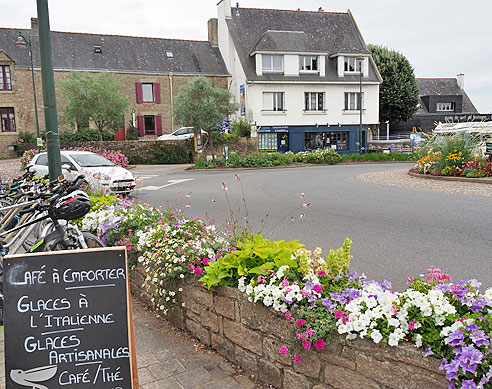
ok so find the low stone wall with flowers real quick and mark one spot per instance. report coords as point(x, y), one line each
point(250, 335)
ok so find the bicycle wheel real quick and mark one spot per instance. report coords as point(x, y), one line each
point(93, 242)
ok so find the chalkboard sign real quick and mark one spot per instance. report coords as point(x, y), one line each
point(488, 148)
point(67, 320)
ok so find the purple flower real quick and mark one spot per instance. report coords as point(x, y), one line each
point(308, 285)
point(385, 285)
point(469, 358)
point(428, 352)
point(328, 304)
point(478, 305)
point(468, 384)
point(472, 327)
point(479, 338)
point(451, 369)
point(455, 338)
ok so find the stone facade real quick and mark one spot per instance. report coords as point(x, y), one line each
point(250, 335)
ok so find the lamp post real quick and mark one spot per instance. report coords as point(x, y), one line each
point(21, 42)
point(360, 61)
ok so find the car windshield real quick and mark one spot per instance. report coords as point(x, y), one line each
point(91, 160)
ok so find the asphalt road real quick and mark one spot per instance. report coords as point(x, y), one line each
point(396, 232)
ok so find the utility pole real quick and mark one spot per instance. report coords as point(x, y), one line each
point(49, 96)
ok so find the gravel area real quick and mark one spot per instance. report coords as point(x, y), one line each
point(9, 167)
point(402, 179)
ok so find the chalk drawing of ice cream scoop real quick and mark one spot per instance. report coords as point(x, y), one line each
point(30, 378)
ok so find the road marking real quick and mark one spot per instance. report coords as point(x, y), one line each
point(170, 182)
point(146, 176)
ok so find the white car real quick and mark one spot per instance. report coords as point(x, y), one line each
point(100, 172)
point(180, 133)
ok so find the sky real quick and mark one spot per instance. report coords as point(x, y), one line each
point(440, 38)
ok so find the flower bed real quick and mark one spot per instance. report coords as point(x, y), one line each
point(315, 299)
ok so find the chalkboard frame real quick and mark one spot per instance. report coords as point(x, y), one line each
point(129, 314)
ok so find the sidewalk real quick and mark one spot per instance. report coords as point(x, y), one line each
point(169, 358)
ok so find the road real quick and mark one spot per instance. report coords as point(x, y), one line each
point(396, 232)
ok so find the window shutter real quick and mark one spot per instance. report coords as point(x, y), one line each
point(138, 87)
point(158, 124)
point(141, 125)
point(157, 93)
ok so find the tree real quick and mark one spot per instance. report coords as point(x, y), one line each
point(399, 92)
point(203, 107)
point(96, 98)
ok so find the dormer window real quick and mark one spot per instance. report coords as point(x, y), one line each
point(272, 63)
point(352, 65)
point(169, 54)
point(308, 63)
point(97, 50)
point(445, 107)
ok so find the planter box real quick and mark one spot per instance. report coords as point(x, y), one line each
point(250, 335)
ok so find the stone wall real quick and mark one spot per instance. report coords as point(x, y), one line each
point(145, 148)
point(250, 335)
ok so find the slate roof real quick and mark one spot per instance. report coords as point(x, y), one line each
point(119, 53)
point(327, 32)
point(443, 87)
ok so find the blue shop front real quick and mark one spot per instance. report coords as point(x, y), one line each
point(344, 139)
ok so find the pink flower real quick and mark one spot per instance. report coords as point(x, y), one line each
point(345, 319)
point(288, 315)
point(188, 195)
point(300, 322)
point(292, 219)
point(317, 288)
point(321, 273)
point(411, 325)
point(339, 314)
point(305, 205)
point(190, 267)
point(236, 176)
point(310, 331)
point(213, 200)
point(297, 358)
point(205, 261)
point(224, 187)
point(188, 205)
point(320, 344)
point(302, 216)
point(283, 350)
point(197, 271)
point(285, 282)
point(306, 344)
point(261, 279)
point(303, 195)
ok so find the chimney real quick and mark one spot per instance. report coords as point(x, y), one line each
point(34, 27)
point(460, 78)
point(213, 36)
point(320, 9)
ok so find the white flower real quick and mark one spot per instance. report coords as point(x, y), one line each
point(376, 336)
point(418, 341)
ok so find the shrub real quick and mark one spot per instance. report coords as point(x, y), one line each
point(131, 132)
point(241, 129)
point(172, 154)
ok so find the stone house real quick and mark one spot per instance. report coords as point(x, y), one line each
point(297, 76)
point(152, 70)
point(440, 100)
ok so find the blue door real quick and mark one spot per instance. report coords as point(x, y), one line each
point(283, 142)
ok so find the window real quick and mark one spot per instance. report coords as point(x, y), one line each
point(42, 160)
point(169, 54)
point(352, 64)
point(8, 119)
point(5, 83)
point(273, 101)
point(352, 102)
point(267, 141)
point(314, 101)
point(326, 140)
point(445, 107)
point(147, 92)
point(273, 63)
point(308, 63)
point(149, 123)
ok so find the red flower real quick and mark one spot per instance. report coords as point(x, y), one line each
point(320, 344)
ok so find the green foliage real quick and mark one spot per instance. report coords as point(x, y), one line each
point(98, 200)
point(381, 157)
point(240, 129)
point(254, 256)
point(96, 98)
point(86, 135)
point(172, 154)
point(399, 92)
point(455, 150)
point(131, 132)
point(27, 137)
point(319, 156)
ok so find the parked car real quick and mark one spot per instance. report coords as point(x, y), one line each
point(180, 133)
point(100, 172)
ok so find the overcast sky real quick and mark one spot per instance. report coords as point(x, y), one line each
point(441, 38)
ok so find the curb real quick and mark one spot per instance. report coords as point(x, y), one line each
point(447, 178)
